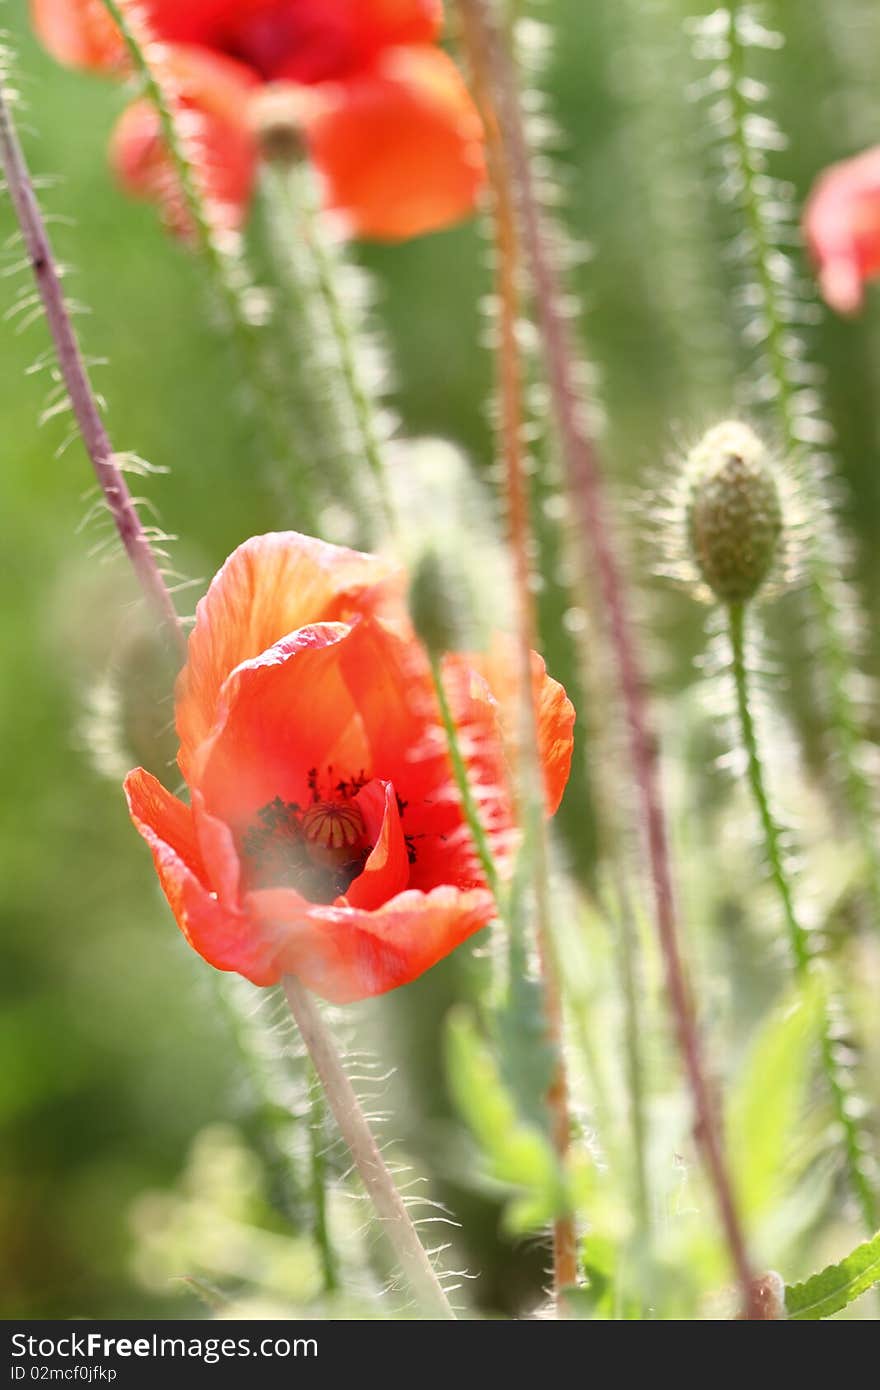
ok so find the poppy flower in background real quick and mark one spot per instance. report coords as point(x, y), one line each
point(386, 117)
point(325, 836)
point(842, 228)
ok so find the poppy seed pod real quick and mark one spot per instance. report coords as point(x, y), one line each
point(734, 513)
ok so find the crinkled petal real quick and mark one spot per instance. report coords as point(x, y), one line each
point(219, 854)
point(391, 686)
point(386, 872)
point(399, 146)
point(344, 954)
point(152, 807)
point(222, 934)
point(281, 715)
point(555, 712)
point(268, 588)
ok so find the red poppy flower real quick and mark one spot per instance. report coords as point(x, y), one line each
point(842, 227)
point(324, 835)
point(391, 127)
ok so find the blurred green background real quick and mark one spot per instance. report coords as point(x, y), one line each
point(114, 1053)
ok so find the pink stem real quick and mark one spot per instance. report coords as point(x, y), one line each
point(76, 378)
point(587, 493)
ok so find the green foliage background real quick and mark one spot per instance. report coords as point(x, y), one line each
point(113, 1053)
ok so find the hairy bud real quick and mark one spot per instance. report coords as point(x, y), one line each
point(734, 514)
point(437, 603)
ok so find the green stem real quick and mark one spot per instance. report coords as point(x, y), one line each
point(824, 582)
point(395, 1221)
point(462, 782)
point(295, 187)
point(317, 1141)
point(229, 274)
point(804, 960)
point(635, 1068)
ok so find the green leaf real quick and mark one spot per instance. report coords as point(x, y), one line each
point(837, 1286)
point(768, 1101)
point(518, 1154)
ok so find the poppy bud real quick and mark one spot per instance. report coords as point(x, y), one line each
point(734, 514)
point(436, 603)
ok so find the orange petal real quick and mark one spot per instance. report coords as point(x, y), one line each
point(386, 872)
point(219, 854)
point(209, 93)
point(152, 807)
point(79, 33)
point(223, 935)
point(269, 587)
point(555, 712)
point(344, 953)
point(400, 21)
point(399, 146)
point(279, 716)
point(392, 689)
point(842, 228)
point(389, 682)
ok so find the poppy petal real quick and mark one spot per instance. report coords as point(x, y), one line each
point(344, 954)
point(389, 22)
point(78, 33)
point(391, 686)
point(386, 872)
point(209, 94)
point(219, 854)
point(153, 807)
point(400, 146)
point(842, 227)
point(311, 41)
point(555, 712)
point(268, 588)
point(224, 936)
point(280, 716)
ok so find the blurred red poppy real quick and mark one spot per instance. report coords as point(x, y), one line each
point(325, 836)
point(390, 126)
point(842, 228)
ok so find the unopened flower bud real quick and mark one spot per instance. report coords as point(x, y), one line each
point(734, 514)
point(436, 603)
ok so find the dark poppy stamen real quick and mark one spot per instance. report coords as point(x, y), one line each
point(318, 849)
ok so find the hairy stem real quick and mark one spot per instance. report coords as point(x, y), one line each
point(825, 584)
point(76, 378)
point(226, 266)
point(345, 1107)
point(635, 1066)
point(510, 384)
point(462, 781)
point(799, 940)
point(299, 202)
point(589, 505)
